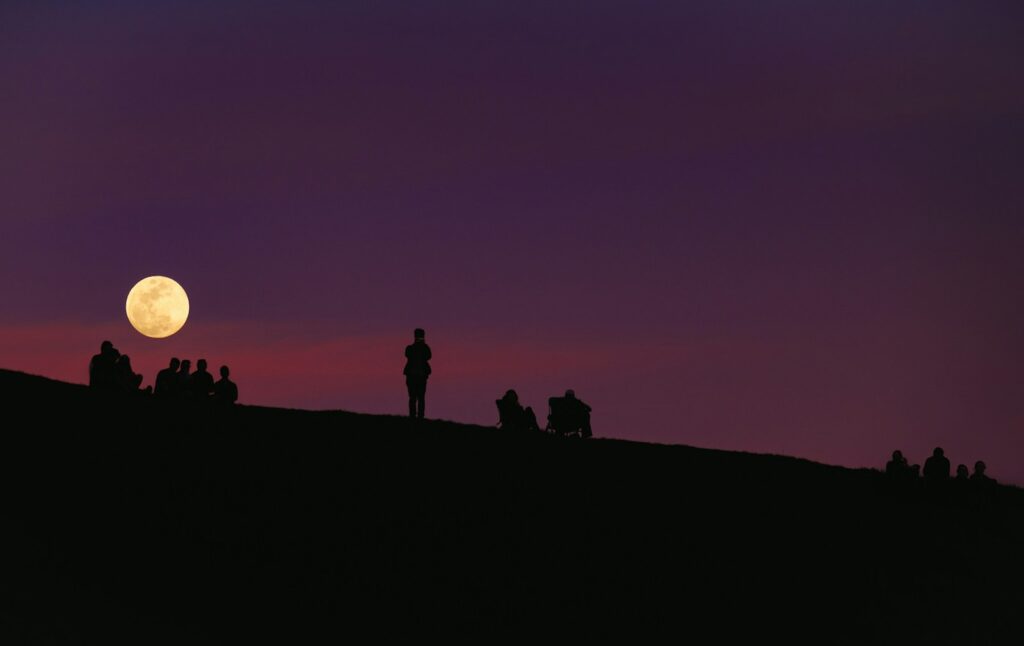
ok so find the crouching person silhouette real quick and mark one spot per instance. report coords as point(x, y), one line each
point(417, 370)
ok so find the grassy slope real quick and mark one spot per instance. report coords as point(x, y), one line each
point(135, 519)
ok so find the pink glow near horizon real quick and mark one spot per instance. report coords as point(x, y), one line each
point(775, 227)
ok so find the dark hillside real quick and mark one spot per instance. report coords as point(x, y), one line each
point(136, 520)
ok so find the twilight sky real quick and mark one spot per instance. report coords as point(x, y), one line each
point(790, 227)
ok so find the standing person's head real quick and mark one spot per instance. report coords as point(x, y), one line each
point(418, 334)
point(175, 363)
point(570, 394)
point(225, 372)
point(201, 365)
point(938, 452)
point(186, 365)
point(979, 468)
point(106, 347)
point(511, 396)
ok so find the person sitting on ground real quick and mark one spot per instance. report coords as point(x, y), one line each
point(979, 477)
point(225, 391)
point(201, 382)
point(897, 466)
point(103, 368)
point(962, 475)
point(512, 415)
point(166, 379)
point(936, 468)
point(899, 470)
point(128, 380)
point(181, 382)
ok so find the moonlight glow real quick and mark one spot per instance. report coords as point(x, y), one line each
point(157, 307)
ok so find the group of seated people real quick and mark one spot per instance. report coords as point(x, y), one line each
point(568, 416)
point(176, 381)
point(936, 469)
point(111, 372)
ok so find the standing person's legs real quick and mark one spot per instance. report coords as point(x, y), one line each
point(410, 385)
point(422, 398)
point(417, 390)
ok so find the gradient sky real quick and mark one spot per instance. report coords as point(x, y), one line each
point(790, 227)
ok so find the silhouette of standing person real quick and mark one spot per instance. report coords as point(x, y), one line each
point(225, 391)
point(417, 370)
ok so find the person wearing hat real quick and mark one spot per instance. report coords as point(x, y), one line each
point(417, 370)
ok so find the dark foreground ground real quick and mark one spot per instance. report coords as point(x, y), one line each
point(131, 521)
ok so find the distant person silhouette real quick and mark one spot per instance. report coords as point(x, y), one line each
point(200, 383)
point(127, 379)
point(979, 476)
point(584, 412)
point(167, 379)
point(181, 384)
point(936, 468)
point(225, 391)
point(897, 464)
point(103, 368)
point(512, 415)
point(962, 474)
point(899, 469)
point(417, 370)
point(569, 415)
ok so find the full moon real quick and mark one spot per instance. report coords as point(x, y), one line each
point(157, 307)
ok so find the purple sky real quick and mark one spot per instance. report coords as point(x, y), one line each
point(790, 227)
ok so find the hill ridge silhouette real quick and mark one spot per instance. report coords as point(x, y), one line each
point(219, 526)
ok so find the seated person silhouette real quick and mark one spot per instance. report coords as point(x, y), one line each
point(979, 477)
point(569, 416)
point(167, 380)
point(200, 383)
point(936, 468)
point(128, 380)
point(181, 383)
point(512, 416)
point(898, 469)
point(225, 392)
point(103, 368)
